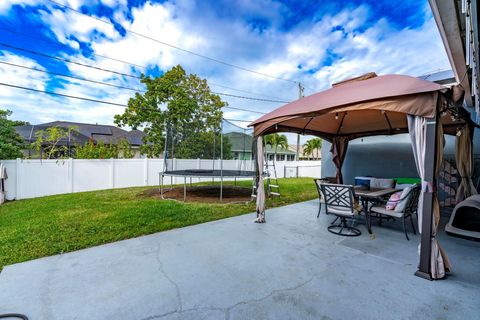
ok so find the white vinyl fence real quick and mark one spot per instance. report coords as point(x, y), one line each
point(37, 178)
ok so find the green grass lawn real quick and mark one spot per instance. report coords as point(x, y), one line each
point(40, 227)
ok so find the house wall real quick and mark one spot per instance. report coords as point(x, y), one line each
point(383, 156)
point(37, 178)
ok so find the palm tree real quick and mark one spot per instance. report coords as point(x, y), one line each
point(312, 145)
point(276, 140)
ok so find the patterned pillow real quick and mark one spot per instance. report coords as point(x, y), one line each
point(393, 201)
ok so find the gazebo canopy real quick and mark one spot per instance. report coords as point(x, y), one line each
point(363, 106)
point(383, 105)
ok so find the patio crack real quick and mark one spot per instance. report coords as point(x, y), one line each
point(227, 310)
point(273, 292)
point(175, 285)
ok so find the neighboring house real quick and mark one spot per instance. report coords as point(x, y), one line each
point(301, 156)
point(84, 132)
point(242, 148)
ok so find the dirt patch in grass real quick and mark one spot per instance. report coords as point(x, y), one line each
point(204, 194)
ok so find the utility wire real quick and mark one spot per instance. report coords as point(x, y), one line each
point(247, 110)
point(68, 61)
point(245, 91)
point(72, 77)
point(237, 120)
point(250, 98)
point(63, 95)
point(59, 44)
point(173, 46)
point(95, 100)
point(128, 88)
point(133, 64)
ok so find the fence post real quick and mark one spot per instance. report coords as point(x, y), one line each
point(145, 171)
point(198, 163)
point(112, 173)
point(70, 175)
point(17, 179)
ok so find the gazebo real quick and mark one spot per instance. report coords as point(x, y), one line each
point(384, 105)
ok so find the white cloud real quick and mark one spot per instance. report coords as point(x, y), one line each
point(351, 49)
point(5, 5)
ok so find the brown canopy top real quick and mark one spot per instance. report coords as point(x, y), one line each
point(365, 106)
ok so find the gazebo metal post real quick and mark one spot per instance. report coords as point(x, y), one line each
point(427, 208)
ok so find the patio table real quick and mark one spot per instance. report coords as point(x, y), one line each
point(371, 195)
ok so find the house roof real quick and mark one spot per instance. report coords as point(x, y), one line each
point(84, 132)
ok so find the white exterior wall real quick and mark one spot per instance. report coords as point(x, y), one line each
point(37, 178)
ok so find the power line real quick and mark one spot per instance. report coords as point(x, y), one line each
point(72, 77)
point(59, 44)
point(63, 95)
point(123, 87)
point(68, 61)
point(173, 46)
point(250, 98)
point(95, 100)
point(247, 110)
point(133, 64)
point(247, 121)
point(244, 91)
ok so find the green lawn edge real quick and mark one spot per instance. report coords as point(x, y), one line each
point(40, 227)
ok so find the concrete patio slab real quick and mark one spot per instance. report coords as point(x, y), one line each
point(288, 268)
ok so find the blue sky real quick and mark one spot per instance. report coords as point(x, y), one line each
point(315, 42)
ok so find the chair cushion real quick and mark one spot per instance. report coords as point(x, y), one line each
point(341, 211)
point(402, 186)
point(377, 183)
point(386, 212)
point(404, 199)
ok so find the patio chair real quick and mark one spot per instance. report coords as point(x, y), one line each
point(406, 207)
point(339, 201)
point(321, 199)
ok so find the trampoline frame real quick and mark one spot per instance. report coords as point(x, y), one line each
point(200, 173)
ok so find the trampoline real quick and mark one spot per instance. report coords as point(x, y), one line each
point(203, 173)
point(221, 152)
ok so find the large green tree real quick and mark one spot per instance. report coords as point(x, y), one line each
point(180, 104)
point(10, 140)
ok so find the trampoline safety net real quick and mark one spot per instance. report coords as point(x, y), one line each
point(222, 150)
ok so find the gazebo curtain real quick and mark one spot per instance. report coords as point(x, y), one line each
point(464, 159)
point(339, 151)
point(259, 179)
point(417, 126)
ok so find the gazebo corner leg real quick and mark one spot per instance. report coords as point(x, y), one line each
point(424, 267)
